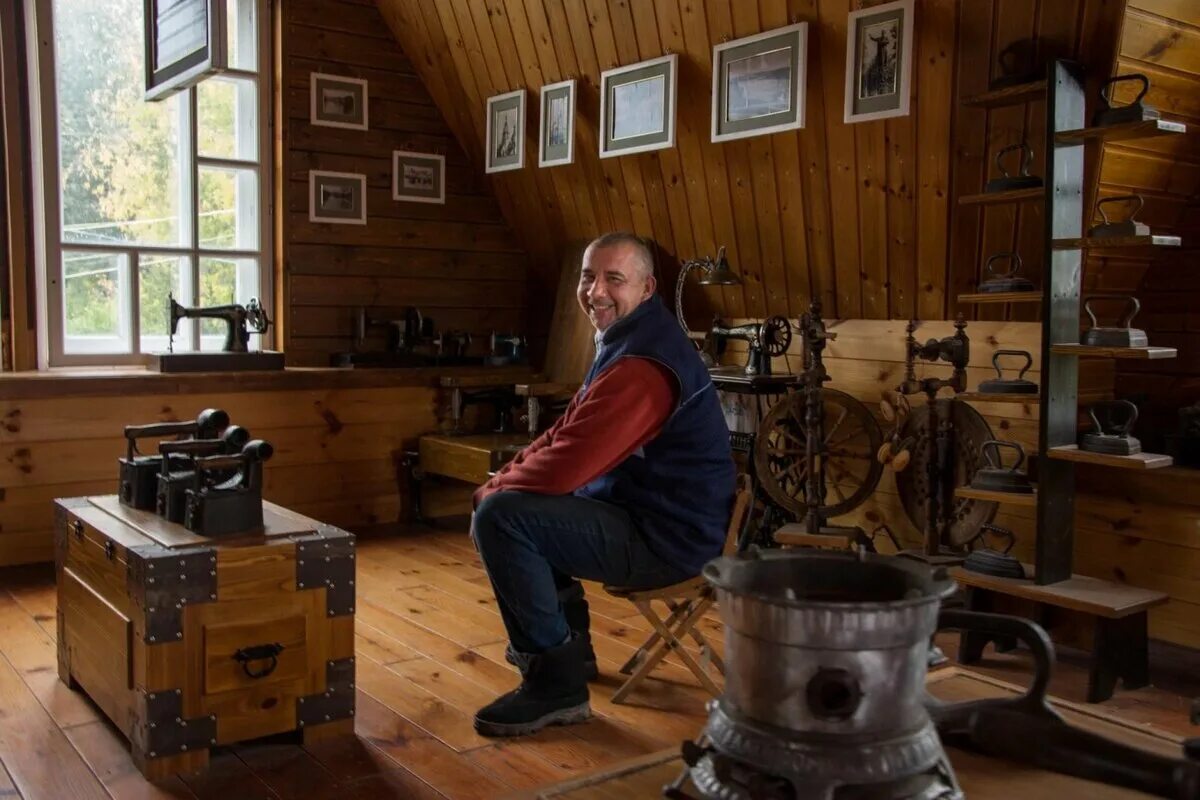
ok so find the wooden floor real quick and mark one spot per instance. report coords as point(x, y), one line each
point(430, 649)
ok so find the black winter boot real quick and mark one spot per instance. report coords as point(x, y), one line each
point(553, 691)
point(575, 609)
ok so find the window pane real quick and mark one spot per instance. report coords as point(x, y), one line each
point(96, 314)
point(224, 281)
point(226, 116)
point(228, 209)
point(241, 22)
point(119, 156)
point(161, 275)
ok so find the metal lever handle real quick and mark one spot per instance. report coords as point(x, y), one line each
point(1120, 198)
point(259, 652)
point(990, 450)
point(1022, 353)
point(1106, 93)
point(1026, 158)
point(1118, 428)
point(1014, 265)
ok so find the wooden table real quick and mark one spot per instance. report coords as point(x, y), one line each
point(981, 777)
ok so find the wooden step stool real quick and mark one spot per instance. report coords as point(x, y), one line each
point(1120, 648)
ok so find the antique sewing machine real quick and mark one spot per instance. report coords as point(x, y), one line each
point(768, 339)
point(240, 322)
point(139, 473)
point(411, 342)
point(505, 349)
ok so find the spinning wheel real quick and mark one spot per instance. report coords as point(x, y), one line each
point(852, 438)
point(968, 433)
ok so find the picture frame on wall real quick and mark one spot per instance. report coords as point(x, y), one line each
point(759, 83)
point(337, 101)
point(637, 106)
point(556, 137)
point(337, 197)
point(505, 139)
point(879, 51)
point(418, 177)
point(185, 43)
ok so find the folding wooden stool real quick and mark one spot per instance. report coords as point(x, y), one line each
point(687, 602)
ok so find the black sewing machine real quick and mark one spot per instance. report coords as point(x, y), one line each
point(768, 339)
point(139, 473)
point(505, 349)
point(240, 322)
point(411, 342)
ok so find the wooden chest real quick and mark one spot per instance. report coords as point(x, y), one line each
point(187, 641)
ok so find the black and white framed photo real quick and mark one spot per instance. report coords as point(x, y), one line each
point(759, 83)
point(339, 197)
point(185, 43)
point(338, 101)
point(418, 177)
point(637, 107)
point(556, 139)
point(505, 139)
point(879, 45)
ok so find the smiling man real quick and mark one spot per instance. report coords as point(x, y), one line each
point(632, 486)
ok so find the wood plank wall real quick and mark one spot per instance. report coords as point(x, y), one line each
point(460, 263)
point(1161, 39)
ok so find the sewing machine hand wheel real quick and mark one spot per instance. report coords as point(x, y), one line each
point(991, 454)
point(1120, 198)
point(776, 336)
point(256, 316)
point(1106, 94)
point(1116, 422)
point(1026, 159)
point(999, 353)
point(1014, 265)
point(1132, 307)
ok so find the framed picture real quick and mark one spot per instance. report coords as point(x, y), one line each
point(505, 139)
point(758, 83)
point(339, 197)
point(418, 177)
point(337, 101)
point(185, 43)
point(556, 139)
point(637, 107)
point(879, 61)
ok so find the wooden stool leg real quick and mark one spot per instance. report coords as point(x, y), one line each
point(648, 646)
point(1136, 648)
point(971, 643)
point(1120, 652)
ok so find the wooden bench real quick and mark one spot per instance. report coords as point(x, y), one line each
point(1120, 642)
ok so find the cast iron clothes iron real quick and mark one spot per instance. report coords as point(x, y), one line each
point(1113, 436)
point(1135, 111)
point(1008, 281)
point(825, 670)
point(1019, 64)
point(1121, 336)
point(994, 476)
point(1000, 563)
point(1002, 385)
point(1122, 228)
point(219, 505)
point(1022, 180)
point(139, 473)
point(178, 474)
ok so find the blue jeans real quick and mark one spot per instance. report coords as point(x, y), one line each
point(535, 546)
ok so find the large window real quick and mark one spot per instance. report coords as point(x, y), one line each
point(144, 200)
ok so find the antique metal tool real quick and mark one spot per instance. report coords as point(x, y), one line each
point(139, 473)
point(240, 321)
point(1022, 180)
point(1008, 281)
point(1126, 227)
point(767, 339)
point(1000, 563)
point(506, 348)
point(179, 468)
point(994, 476)
point(451, 345)
point(1124, 335)
point(1134, 111)
point(1018, 64)
point(1002, 385)
point(218, 505)
point(1113, 436)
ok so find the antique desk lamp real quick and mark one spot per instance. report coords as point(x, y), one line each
point(713, 273)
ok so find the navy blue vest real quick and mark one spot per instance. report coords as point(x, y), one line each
point(679, 486)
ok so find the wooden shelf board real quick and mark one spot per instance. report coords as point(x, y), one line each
point(986, 397)
point(1103, 243)
point(1071, 452)
point(1140, 353)
point(1009, 95)
point(995, 198)
point(1124, 132)
point(1079, 593)
point(1009, 498)
point(1001, 297)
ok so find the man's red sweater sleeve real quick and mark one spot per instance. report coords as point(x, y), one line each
point(623, 408)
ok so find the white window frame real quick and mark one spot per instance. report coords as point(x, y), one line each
point(49, 244)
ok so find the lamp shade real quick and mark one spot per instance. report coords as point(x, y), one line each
point(721, 274)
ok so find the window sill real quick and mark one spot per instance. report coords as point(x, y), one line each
point(110, 381)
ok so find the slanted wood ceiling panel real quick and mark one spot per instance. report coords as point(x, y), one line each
point(857, 215)
point(460, 263)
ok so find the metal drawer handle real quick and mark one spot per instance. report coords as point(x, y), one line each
point(259, 652)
